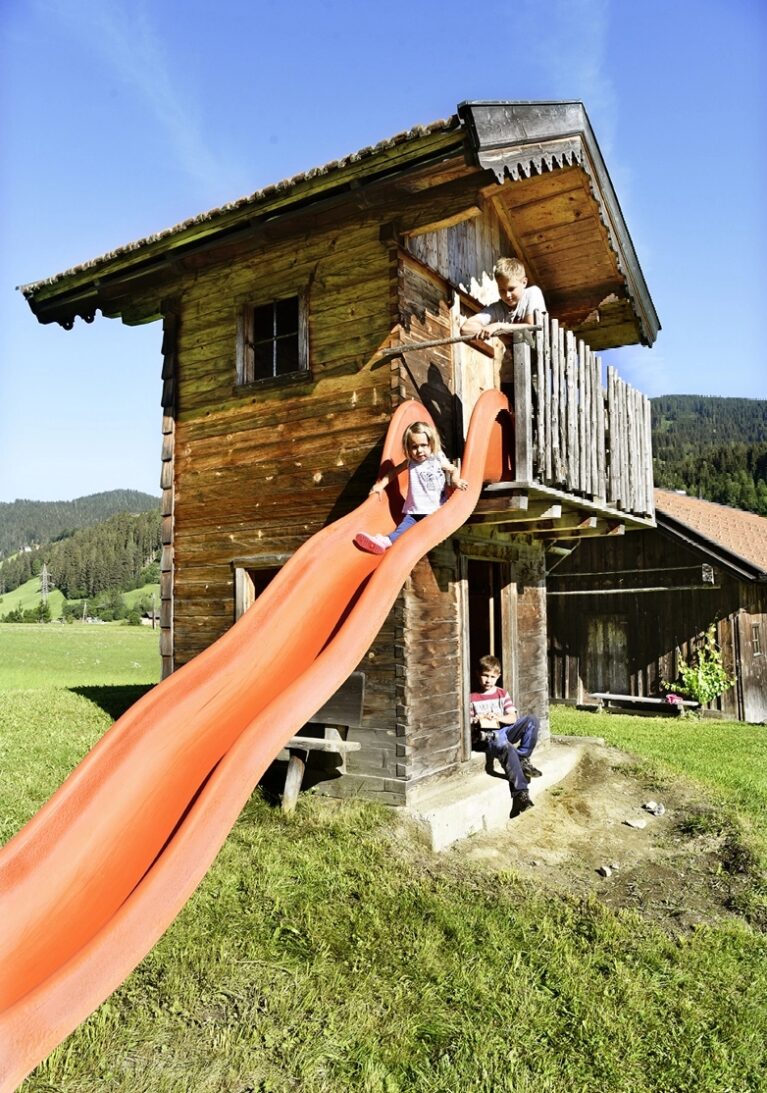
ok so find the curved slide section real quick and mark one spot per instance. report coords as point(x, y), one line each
point(96, 877)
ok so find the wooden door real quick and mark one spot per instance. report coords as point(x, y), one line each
point(606, 665)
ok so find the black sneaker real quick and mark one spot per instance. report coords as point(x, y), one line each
point(520, 803)
point(529, 770)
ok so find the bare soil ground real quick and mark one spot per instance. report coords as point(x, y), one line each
point(678, 870)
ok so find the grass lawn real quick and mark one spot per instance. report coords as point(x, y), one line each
point(77, 654)
point(328, 952)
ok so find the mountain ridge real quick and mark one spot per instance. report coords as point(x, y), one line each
point(26, 524)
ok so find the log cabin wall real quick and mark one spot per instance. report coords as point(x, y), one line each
point(430, 695)
point(260, 467)
point(465, 253)
point(169, 346)
point(651, 600)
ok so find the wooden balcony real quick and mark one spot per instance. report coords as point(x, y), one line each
point(581, 450)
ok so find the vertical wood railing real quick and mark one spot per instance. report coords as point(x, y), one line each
point(573, 433)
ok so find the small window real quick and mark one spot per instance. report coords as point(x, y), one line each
point(272, 341)
point(756, 642)
point(249, 583)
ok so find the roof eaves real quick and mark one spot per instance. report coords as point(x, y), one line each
point(220, 218)
point(518, 139)
point(739, 566)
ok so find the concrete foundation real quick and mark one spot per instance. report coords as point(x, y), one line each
point(473, 800)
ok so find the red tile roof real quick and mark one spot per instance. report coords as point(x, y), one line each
point(740, 533)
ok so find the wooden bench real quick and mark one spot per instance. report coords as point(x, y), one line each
point(341, 712)
point(638, 704)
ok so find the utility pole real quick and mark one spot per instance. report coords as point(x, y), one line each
point(45, 582)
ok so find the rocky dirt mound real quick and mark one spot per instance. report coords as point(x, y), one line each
point(676, 869)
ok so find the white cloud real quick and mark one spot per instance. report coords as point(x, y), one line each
point(571, 49)
point(125, 39)
point(646, 369)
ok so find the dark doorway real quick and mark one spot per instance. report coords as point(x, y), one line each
point(485, 581)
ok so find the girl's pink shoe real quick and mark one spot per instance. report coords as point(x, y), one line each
point(373, 544)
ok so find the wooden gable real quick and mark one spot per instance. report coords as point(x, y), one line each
point(534, 167)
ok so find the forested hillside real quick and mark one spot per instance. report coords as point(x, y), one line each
point(119, 553)
point(34, 523)
point(714, 448)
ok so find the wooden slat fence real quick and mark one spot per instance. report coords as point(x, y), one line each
point(574, 433)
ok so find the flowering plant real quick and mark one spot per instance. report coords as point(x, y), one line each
point(706, 678)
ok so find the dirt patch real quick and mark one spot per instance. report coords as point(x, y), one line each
point(674, 871)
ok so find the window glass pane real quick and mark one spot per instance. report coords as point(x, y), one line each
point(263, 322)
point(272, 343)
point(263, 360)
point(287, 315)
point(287, 355)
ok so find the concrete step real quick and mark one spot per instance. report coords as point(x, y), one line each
point(473, 800)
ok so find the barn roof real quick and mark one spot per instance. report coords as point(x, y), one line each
point(736, 538)
point(561, 190)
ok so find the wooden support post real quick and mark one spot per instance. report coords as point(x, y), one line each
point(293, 780)
point(523, 411)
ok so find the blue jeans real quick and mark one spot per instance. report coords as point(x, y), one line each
point(406, 523)
point(511, 744)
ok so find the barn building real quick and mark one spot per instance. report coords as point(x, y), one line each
point(289, 320)
point(623, 615)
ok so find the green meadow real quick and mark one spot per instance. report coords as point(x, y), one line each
point(69, 655)
point(330, 951)
point(27, 597)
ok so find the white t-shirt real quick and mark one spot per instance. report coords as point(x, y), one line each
point(531, 301)
point(425, 484)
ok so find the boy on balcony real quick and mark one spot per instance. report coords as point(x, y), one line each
point(518, 304)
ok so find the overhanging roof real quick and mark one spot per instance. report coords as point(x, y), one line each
point(550, 184)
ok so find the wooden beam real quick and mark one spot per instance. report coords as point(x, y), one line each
point(635, 591)
point(593, 528)
point(537, 511)
point(565, 527)
point(445, 222)
point(501, 507)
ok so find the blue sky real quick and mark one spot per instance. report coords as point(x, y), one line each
point(124, 117)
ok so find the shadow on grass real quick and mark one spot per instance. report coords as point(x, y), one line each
point(114, 700)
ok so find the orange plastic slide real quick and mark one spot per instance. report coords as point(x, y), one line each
point(96, 877)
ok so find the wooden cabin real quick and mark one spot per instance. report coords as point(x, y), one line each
point(276, 395)
point(622, 615)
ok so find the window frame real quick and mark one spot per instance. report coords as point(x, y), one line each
point(247, 586)
point(245, 356)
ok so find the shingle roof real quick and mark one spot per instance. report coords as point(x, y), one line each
point(741, 533)
point(274, 189)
